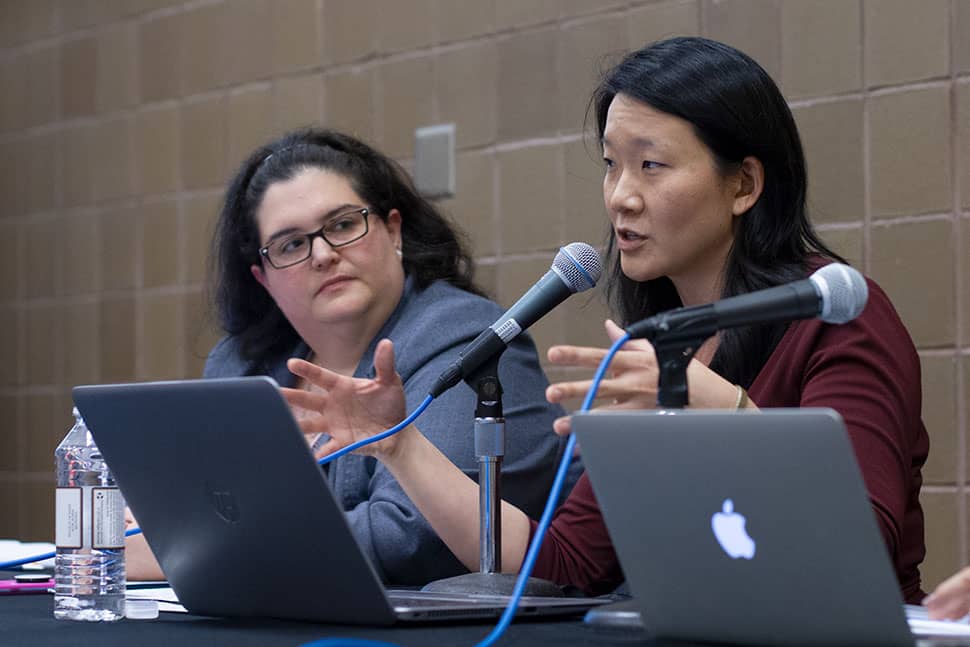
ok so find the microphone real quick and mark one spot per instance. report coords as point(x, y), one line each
point(576, 268)
point(835, 294)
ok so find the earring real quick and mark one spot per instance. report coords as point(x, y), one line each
point(399, 252)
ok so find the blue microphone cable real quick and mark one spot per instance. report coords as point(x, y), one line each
point(381, 436)
point(17, 563)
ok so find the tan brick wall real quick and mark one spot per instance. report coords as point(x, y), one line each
point(121, 121)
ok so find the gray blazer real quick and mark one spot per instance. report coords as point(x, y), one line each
point(429, 327)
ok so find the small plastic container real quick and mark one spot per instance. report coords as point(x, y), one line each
point(141, 609)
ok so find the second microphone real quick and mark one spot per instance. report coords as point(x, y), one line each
point(576, 268)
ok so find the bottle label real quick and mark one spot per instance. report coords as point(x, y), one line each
point(108, 518)
point(68, 517)
point(89, 517)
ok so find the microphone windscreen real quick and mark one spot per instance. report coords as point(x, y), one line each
point(843, 290)
point(578, 265)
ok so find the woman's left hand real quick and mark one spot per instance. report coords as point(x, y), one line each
point(632, 379)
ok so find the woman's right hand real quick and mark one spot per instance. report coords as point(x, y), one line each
point(349, 409)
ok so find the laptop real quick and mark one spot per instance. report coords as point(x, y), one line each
point(241, 517)
point(743, 527)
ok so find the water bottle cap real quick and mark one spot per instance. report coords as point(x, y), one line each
point(141, 609)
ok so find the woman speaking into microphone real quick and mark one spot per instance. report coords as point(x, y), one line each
point(704, 182)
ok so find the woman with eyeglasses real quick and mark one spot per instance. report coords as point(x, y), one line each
point(324, 251)
point(704, 182)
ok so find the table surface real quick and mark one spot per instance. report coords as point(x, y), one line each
point(27, 621)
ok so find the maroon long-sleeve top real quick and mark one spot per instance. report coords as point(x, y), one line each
point(869, 372)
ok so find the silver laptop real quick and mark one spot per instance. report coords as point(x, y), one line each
point(743, 527)
point(241, 517)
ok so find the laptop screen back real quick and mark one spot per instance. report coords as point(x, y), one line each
point(743, 527)
point(238, 513)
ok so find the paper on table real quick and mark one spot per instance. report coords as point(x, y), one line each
point(921, 625)
point(938, 628)
point(11, 549)
point(167, 600)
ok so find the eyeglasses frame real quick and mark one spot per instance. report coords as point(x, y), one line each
point(364, 211)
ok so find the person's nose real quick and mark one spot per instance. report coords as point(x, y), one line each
point(321, 253)
point(624, 197)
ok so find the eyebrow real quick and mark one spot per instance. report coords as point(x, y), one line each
point(347, 206)
point(639, 141)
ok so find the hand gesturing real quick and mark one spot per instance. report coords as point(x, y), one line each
point(631, 382)
point(349, 409)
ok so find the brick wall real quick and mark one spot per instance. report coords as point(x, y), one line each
point(121, 121)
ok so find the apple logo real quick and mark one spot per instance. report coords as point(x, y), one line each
point(729, 531)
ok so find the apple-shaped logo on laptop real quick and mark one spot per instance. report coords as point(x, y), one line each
point(729, 531)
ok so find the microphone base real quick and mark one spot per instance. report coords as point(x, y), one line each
point(493, 584)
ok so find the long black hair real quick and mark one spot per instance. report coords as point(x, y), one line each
point(432, 248)
point(737, 111)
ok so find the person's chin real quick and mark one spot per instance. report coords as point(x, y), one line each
point(339, 308)
point(638, 269)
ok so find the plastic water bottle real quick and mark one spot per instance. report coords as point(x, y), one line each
point(89, 565)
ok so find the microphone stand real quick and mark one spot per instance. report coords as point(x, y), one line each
point(673, 359)
point(489, 451)
point(675, 347)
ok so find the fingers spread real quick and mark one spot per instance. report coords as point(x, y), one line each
point(567, 390)
point(309, 400)
point(637, 354)
point(576, 355)
point(312, 373)
point(306, 407)
point(617, 390)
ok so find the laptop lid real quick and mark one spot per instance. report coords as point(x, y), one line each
point(743, 527)
point(239, 514)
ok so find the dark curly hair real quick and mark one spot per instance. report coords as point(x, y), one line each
point(432, 247)
point(737, 111)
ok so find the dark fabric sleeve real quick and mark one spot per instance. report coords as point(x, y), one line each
point(577, 549)
point(869, 372)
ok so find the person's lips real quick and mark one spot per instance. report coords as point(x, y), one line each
point(627, 239)
point(333, 282)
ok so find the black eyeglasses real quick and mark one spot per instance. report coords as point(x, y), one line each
point(342, 229)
